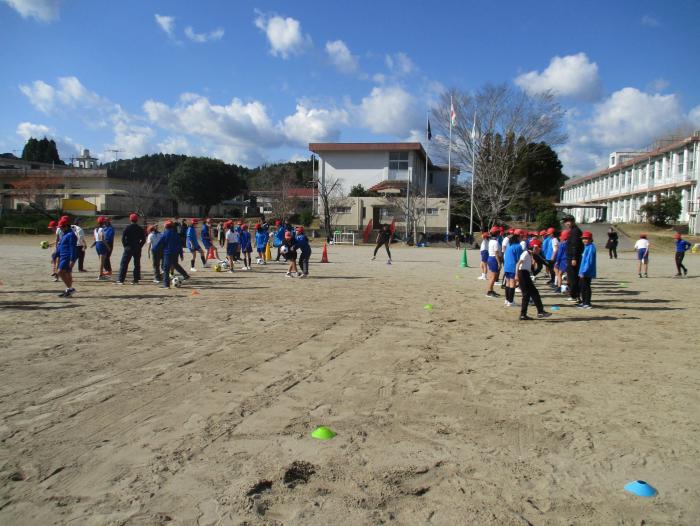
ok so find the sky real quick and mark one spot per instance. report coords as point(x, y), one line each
point(254, 82)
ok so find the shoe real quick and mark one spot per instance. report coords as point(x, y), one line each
point(301, 276)
point(300, 273)
point(165, 286)
point(509, 304)
point(571, 299)
point(68, 293)
point(496, 282)
point(157, 280)
point(82, 270)
point(541, 315)
point(482, 277)
point(388, 262)
point(557, 290)
point(579, 305)
point(640, 275)
point(678, 275)
point(103, 277)
point(646, 275)
point(517, 289)
point(586, 306)
point(288, 275)
point(373, 258)
point(492, 294)
point(134, 282)
point(119, 283)
point(525, 318)
point(231, 271)
point(63, 294)
point(56, 280)
point(193, 269)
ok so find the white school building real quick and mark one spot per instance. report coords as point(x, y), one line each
point(635, 178)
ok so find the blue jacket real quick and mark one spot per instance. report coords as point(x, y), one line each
point(279, 236)
point(301, 242)
point(206, 238)
point(169, 243)
point(547, 248)
point(260, 239)
point(682, 245)
point(109, 235)
point(192, 242)
point(588, 265)
point(245, 241)
point(511, 257)
point(561, 255)
point(67, 246)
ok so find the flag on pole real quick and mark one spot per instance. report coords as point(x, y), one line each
point(428, 133)
point(474, 128)
point(453, 115)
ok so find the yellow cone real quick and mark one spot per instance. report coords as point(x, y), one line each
point(268, 252)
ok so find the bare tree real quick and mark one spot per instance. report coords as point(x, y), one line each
point(34, 190)
point(505, 120)
point(330, 193)
point(284, 204)
point(143, 194)
point(412, 209)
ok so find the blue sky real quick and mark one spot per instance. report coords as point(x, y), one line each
point(254, 82)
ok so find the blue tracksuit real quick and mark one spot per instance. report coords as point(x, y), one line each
point(171, 247)
point(206, 238)
point(682, 245)
point(245, 241)
point(67, 250)
point(301, 242)
point(547, 248)
point(279, 236)
point(192, 242)
point(260, 240)
point(561, 256)
point(511, 257)
point(588, 262)
point(109, 235)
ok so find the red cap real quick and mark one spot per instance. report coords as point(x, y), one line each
point(278, 222)
point(536, 243)
point(511, 231)
point(564, 235)
point(642, 236)
point(244, 227)
point(551, 230)
point(101, 219)
point(534, 233)
point(52, 224)
point(676, 236)
point(67, 218)
point(587, 235)
point(485, 234)
point(501, 229)
point(133, 218)
point(287, 235)
point(494, 229)
point(300, 229)
point(194, 221)
point(168, 224)
point(63, 222)
point(257, 225)
point(543, 232)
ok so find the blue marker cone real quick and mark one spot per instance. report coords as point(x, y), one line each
point(554, 308)
point(640, 488)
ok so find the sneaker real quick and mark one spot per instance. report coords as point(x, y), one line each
point(164, 286)
point(193, 269)
point(492, 294)
point(509, 304)
point(640, 275)
point(63, 294)
point(134, 282)
point(388, 262)
point(677, 275)
point(557, 290)
point(157, 281)
point(525, 318)
point(56, 280)
point(119, 283)
point(646, 275)
point(69, 292)
point(300, 276)
point(482, 277)
point(103, 277)
point(288, 275)
point(300, 273)
point(586, 306)
point(231, 271)
point(541, 315)
point(373, 258)
point(496, 282)
point(571, 299)
point(517, 289)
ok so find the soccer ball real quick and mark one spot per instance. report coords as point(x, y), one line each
point(177, 281)
point(284, 249)
point(44, 244)
point(217, 268)
point(224, 266)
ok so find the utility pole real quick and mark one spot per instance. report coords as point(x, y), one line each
point(116, 154)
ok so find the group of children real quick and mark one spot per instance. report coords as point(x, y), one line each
point(642, 246)
point(521, 255)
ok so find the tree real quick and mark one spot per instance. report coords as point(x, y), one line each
point(664, 209)
point(413, 210)
point(330, 191)
point(205, 182)
point(143, 194)
point(506, 121)
point(359, 191)
point(43, 151)
point(35, 189)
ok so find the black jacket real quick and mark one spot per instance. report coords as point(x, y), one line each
point(133, 237)
point(574, 248)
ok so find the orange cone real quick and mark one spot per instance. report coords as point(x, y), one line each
point(195, 293)
point(211, 253)
point(324, 257)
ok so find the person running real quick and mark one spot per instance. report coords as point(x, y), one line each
point(171, 247)
point(193, 246)
point(301, 242)
point(101, 247)
point(493, 263)
point(279, 237)
point(682, 246)
point(181, 229)
point(246, 247)
point(574, 251)
point(527, 287)
point(587, 270)
point(156, 256)
point(642, 248)
point(67, 255)
point(109, 243)
point(133, 239)
point(612, 242)
point(233, 246)
point(511, 256)
point(383, 238)
point(484, 253)
point(260, 243)
point(207, 239)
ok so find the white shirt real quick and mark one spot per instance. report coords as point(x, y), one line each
point(523, 244)
point(555, 245)
point(642, 244)
point(526, 261)
point(99, 234)
point(153, 238)
point(494, 248)
point(232, 236)
point(484, 244)
point(504, 245)
point(79, 234)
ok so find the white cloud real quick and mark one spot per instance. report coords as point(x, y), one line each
point(178, 145)
point(650, 21)
point(341, 57)
point(29, 129)
point(66, 147)
point(216, 34)
point(283, 34)
point(42, 10)
point(167, 24)
point(314, 125)
point(389, 110)
point(399, 64)
point(131, 139)
point(659, 84)
point(694, 117)
point(570, 76)
point(69, 93)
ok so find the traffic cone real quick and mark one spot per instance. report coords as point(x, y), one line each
point(211, 253)
point(324, 257)
point(268, 252)
point(464, 263)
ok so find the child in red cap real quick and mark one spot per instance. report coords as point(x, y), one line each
point(587, 270)
point(290, 254)
point(682, 246)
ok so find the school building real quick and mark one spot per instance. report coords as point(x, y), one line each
point(400, 175)
point(632, 179)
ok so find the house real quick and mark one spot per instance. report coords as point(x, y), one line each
point(404, 182)
point(632, 179)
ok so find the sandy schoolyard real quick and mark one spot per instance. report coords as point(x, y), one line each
point(142, 406)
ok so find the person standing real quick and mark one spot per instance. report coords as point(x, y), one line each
point(458, 237)
point(484, 255)
point(233, 246)
point(642, 248)
point(81, 244)
point(574, 251)
point(156, 256)
point(207, 242)
point(682, 246)
point(612, 242)
point(511, 256)
point(279, 237)
point(101, 247)
point(171, 246)
point(527, 287)
point(133, 239)
point(587, 270)
point(383, 238)
point(301, 242)
point(290, 255)
point(260, 243)
point(193, 245)
point(560, 263)
point(182, 231)
point(67, 254)
point(246, 247)
point(109, 243)
point(493, 263)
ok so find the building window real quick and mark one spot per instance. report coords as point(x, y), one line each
point(431, 211)
point(342, 209)
point(398, 166)
point(679, 166)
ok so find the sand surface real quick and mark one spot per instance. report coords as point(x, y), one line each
point(137, 405)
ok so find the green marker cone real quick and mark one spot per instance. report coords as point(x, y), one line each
point(464, 263)
point(323, 433)
point(428, 306)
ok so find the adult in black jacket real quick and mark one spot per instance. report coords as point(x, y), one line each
point(574, 251)
point(611, 245)
point(133, 238)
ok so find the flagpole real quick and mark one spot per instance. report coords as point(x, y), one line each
point(425, 195)
point(449, 175)
point(471, 208)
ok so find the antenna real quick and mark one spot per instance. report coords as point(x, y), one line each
point(116, 154)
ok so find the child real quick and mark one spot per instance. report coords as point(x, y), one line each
point(493, 262)
point(101, 247)
point(67, 251)
point(560, 264)
point(53, 226)
point(260, 243)
point(207, 239)
point(109, 245)
point(526, 285)
point(301, 242)
point(156, 256)
point(291, 255)
point(553, 253)
point(233, 246)
point(642, 248)
point(484, 252)
point(171, 247)
point(193, 245)
point(510, 262)
point(682, 246)
point(246, 247)
point(587, 270)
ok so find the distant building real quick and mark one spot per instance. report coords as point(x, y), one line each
point(85, 160)
point(632, 179)
point(393, 170)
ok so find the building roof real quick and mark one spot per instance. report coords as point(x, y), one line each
point(388, 187)
point(319, 147)
point(631, 162)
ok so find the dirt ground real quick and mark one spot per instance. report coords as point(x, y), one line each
point(137, 405)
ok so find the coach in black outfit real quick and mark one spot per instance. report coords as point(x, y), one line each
point(574, 251)
point(133, 239)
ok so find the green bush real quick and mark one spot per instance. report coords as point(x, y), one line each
point(665, 209)
point(305, 217)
